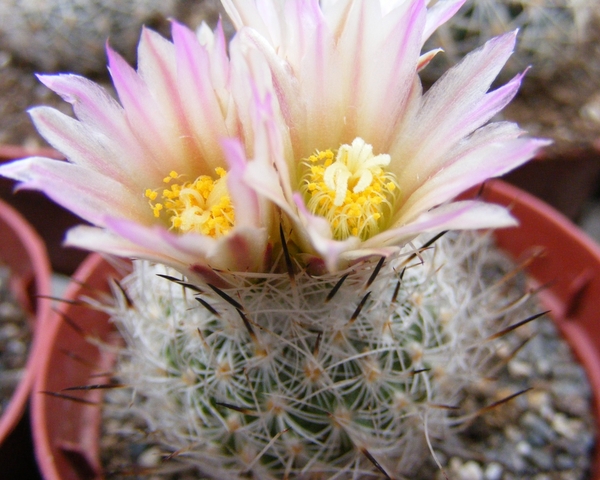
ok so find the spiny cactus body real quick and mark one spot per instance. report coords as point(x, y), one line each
point(340, 376)
point(549, 32)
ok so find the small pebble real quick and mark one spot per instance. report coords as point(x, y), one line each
point(567, 428)
point(538, 399)
point(542, 459)
point(470, 471)
point(151, 457)
point(564, 462)
point(493, 471)
point(523, 448)
point(538, 430)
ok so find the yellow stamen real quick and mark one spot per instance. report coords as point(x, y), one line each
point(151, 194)
point(354, 193)
point(201, 206)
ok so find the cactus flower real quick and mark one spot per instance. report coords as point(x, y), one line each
point(361, 160)
point(317, 111)
point(158, 175)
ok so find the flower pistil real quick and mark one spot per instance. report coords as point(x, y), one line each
point(353, 192)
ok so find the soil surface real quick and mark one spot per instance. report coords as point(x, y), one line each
point(15, 338)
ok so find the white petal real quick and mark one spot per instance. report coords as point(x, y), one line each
point(449, 112)
point(88, 194)
point(464, 215)
point(478, 165)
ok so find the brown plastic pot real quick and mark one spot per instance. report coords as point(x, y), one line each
point(66, 433)
point(23, 252)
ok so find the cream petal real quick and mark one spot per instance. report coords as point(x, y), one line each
point(86, 193)
point(449, 103)
point(440, 13)
point(463, 215)
point(158, 70)
point(249, 210)
point(87, 147)
point(103, 241)
point(161, 139)
point(241, 250)
point(99, 112)
point(478, 165)
point(205, 120)
point(383, 68)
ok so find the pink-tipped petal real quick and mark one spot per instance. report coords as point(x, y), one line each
point(394, 58)
point(98, 111)
point(448, 103)
point(85, 146)
point(492, 160)
point(103, 241)
point(201, 108)
point(235, 252)
point(464, 215)
point(88, 194)
point(247, 206)
point(144, 118)
point(439, 14)
point(158, 239)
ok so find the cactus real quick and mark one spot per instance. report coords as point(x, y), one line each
point(549, 33)
point(71, 34)
point(346, 376)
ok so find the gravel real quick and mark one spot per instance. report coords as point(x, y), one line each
point(546, 433)
point(15, 337)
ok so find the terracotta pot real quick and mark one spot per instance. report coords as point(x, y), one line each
point(49, 219)
point(22, 250)
point(572, 262)
point(569, 267)
point(65, 431)
point(564, 179)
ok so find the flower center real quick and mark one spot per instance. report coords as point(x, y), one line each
point(354, 192)
point(201, 206)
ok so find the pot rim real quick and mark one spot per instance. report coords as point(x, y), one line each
point(38, 264)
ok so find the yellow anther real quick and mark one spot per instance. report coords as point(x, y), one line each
point(350, 188)
point(201, 206)
point(151, 194)
point(172, 174)
point(156, 209)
